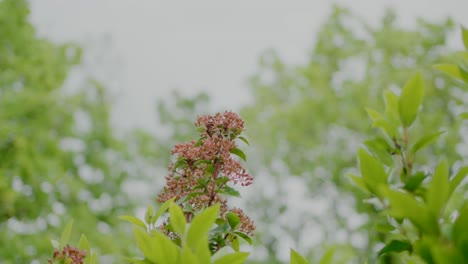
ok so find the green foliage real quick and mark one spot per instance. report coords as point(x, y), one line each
point(414, 208)
point(59, 155)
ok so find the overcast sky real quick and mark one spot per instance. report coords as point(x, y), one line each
point(141, 49)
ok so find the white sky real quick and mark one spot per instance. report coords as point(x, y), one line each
point(141, 49)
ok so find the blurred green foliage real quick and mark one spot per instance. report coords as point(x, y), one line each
point(59, 158)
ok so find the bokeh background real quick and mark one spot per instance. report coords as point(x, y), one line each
point(93, 95)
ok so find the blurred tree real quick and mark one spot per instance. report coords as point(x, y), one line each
point(314, 118)
point(59, 158)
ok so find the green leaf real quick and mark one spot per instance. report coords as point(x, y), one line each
point(458, 178)
point(452, 70)
point(404, 205)
point(379, 121)
point(180, 163)
point(233, 220)
point(66, 234)
point(412, 183)
point(83, 244)
point(381, 149)
point(200, 226)
point(133, 220)
point(187, 256)
point(327, 258)
point(229, 191)
point(233, 258)
point(149, 215)
point(396, 246)
point(373, 173)
point(234, 243)
point(464, 115)
point(460, 228)
point(296, 258)
point(391, 106)
point(410, 99)
point(245, 140)
point(240, 153)
point(144, 243)
point(163, 208)
point(465, 36)
point(157, 248)
point(359, 181)
point(426, 140)
point(439, 189)
point(177, 219)
point(244, 236)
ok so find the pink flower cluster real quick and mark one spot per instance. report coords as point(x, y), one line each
point(201, 163)
point(70, 255)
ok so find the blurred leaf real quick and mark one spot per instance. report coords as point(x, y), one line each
point(200, 226)
point(177, 219)
point(439, 189)
point(425, 140)
point(66, 234)
point(296, 258)
point(163, 208)
point(149, 215)
point(458, 178)
point(327, 258)
point(373, 173)
point(396, 246)
point(233, 258)
point(133, 220)
point(465, 37)
point(412, 183)
point(410, 99)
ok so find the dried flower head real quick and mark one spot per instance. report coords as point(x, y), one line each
point(69, 254)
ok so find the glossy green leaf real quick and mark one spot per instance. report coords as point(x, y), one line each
point(66, 234)
point(458, 178)
point(411, 99)
point(233, 220)
point(396, 246)
point(439, 189)
point(373, 173)
point(233, 258)
point(177, 219)
point(296, 258)
point(134, 220)
point(238, 152)
point(200, 226)
point(425, 140)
